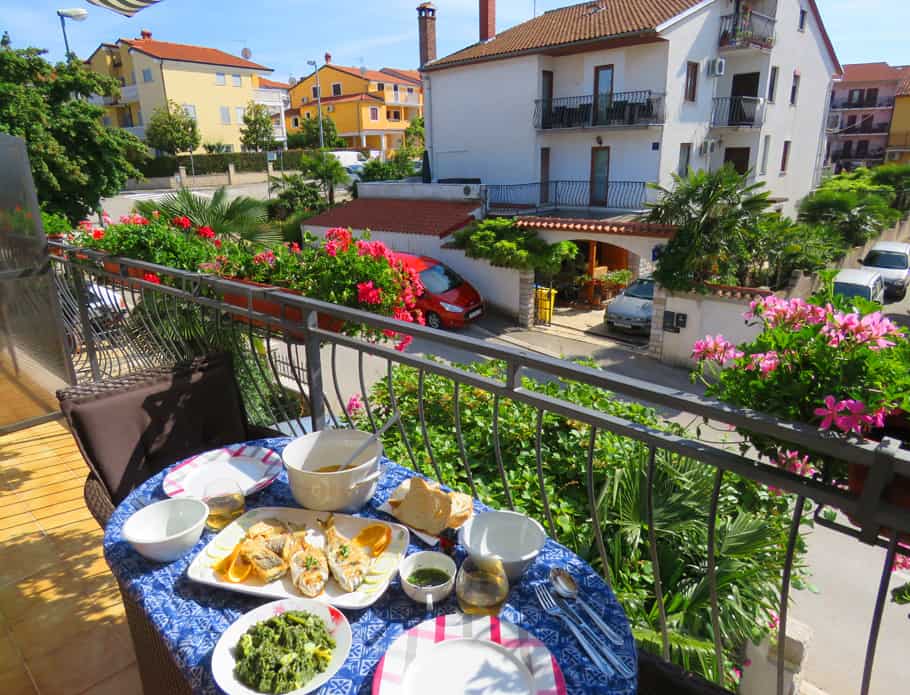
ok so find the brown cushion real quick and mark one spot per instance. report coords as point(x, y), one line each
point(128, 435)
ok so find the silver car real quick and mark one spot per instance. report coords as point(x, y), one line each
point(891, 259)
point(632, 308)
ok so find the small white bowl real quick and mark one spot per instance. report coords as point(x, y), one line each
point(427, 559)
point(513, 538)
point(166, 530)
point(341, 491)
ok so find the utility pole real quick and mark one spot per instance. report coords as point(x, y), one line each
point(318, 103)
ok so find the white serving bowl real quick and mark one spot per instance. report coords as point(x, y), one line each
point(427, 595)
point(166, 530)
point(341, 491)
point(510, 537)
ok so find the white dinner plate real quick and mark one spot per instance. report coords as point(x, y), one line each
point(385, 566)
point(223, 660)
point(462, 666)
point(251, 467)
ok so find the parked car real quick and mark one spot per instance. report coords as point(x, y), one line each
point(892, 260)
point(355, 171)
point(448, 301)
point(631, 309)
point(867, 284)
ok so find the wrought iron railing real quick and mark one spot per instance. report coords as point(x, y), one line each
point(547, 196)
point(878, 103)
point(877, 153)
point(738, 112)
point(865, 129)
point(612, 110)
point(746, 29)
point(295, 373)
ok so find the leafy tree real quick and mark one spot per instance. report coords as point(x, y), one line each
point(75, 159)
point(295, 194)
point(398, 166)
point(239, 218)
point(712, 211)
point(415, 136)
point(856, 217)
point(500, 241)
point(326, 168)
point(171, 129)
point(308, 137)
point(256, 133)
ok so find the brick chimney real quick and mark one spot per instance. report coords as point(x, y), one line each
point(145, 34)
point(487, 19)
point(426, 30)
point(328, 57)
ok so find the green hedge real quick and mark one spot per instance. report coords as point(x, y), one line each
point(159, 166)
point(218, 163)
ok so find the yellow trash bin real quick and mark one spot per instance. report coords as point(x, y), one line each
point(545, 300)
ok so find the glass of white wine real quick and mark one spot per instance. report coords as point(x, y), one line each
point(481, 586)
point(226, 502)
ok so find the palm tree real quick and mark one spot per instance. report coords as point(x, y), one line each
point(239, 218)
point(325, 168)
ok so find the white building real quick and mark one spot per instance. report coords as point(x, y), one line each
point(580, 107)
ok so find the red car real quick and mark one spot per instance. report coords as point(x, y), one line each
point(448, 300)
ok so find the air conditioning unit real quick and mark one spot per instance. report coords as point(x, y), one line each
point(709, 146)
point(330, 108)
point(717, 67)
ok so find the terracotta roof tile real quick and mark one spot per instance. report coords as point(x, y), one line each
point(348, 97)
point(404, 216)
point(374, 75)
point(191, 54)
point(607, 226)
point(412, 75)
point(577, 23)
point(873, 72)
point(272, 84)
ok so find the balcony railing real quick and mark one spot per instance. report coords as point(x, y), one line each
point(615, 110)
point(186, 315)
point(746, 30)
point(880, 103)
point(129, 93)
point(865, 129)
point(738, 112)
point(527, 198)
point(137, 130)
point(877, 153)
point(401, 98)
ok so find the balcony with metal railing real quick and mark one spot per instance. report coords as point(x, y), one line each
point(865, 128)
point(748, 29)
point(290, 367)
point(551, 197)
point(863, 104)
point(738, 112)
point(638, 109)
point(400, 97)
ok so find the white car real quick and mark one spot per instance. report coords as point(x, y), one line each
point(891, 259)
point(867, 284)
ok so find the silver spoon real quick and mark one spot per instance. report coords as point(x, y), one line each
point(373, 437)
point(566, 586)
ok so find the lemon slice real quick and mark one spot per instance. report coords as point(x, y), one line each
point(240, 569)
point(224, 564)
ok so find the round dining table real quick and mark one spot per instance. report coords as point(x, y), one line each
point(190, 617)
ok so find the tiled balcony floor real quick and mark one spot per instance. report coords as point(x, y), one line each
point(62, 626)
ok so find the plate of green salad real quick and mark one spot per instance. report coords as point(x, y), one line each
point(290, 646)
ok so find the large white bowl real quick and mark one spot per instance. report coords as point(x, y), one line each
point(166, 530)
point(513, 538)
point(342, 491)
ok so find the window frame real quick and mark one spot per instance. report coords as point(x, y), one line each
point(794, 89)
point(236, 80)
point(785, 157)
point(773, 76)
point(803, 21)
point(315, 91)
point(339, 85)
point(765, 156)
point(239, 113)
point(295, 121)
point(220, 79)
point(189, 110)
point(690, 94)
point(147, 75)
point(687, 148)
point(225, 113)
point(380, 86)
point(374, 113)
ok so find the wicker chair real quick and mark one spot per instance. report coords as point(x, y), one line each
point(130, 428)
point(658, 677)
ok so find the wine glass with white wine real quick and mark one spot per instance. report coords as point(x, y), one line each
point(226, 502)
point(481, 586)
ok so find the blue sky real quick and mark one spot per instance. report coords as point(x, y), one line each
point(284, 34)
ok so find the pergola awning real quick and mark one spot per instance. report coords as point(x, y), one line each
point(125, 7)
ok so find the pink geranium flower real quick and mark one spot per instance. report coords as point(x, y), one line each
point(355, 404)
point(829, 413)
point(716, 349)
point(368, 293)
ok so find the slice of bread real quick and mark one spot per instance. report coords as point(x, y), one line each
point(425, 507)
point(462, 509)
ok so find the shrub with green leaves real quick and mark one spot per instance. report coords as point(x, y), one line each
point(856, 216)
point(752, 521)
point(500, 241)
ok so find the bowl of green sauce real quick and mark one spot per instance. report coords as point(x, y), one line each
point(427, 577)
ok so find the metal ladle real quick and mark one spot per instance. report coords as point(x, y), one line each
point(566, 586)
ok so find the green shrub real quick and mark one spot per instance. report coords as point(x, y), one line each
point(502, 243)
point(295, 194)
point(855, 216)
point(218, 163)
point(55, 223)
point(158, 167)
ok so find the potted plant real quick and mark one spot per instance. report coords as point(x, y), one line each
point(820, 362)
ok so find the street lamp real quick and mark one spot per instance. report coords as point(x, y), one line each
point(318, 102)
point(77, 14)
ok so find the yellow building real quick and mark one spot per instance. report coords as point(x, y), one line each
point(899, 135)
point(370, 108)
point(212, 86)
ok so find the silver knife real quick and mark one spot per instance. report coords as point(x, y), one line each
point(621, 667)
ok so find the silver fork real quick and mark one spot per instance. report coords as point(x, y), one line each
point(549, 605)
point(618, 664)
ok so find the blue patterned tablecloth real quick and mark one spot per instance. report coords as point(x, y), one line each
point(191, 617)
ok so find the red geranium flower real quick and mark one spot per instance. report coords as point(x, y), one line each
point(182, 222)
point(98, 233)
point(206, 232)
point(152, 278)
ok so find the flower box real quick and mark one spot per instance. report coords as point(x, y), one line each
point(114, 268)
point(273, 308)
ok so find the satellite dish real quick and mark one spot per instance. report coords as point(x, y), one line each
point(246, 53)
point(292, 80)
